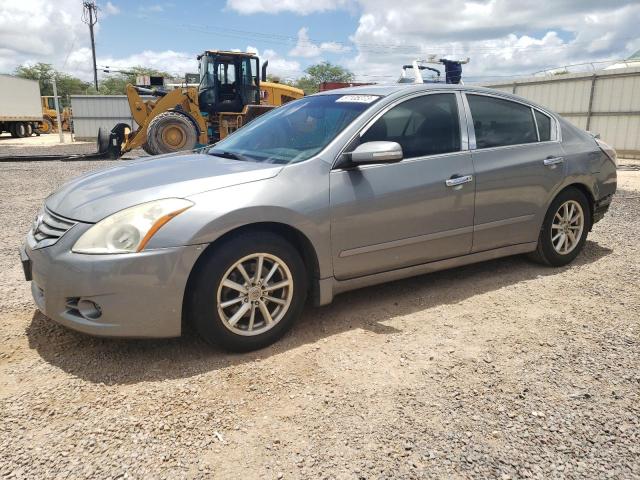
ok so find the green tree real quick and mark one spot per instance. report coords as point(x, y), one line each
point(44, 73)
point(116, 83)
point(322, 72)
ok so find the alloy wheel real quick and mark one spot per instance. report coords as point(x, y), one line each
point(255, 294)
point(567, 227)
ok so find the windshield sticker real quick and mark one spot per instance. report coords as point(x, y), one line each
point(358, 98)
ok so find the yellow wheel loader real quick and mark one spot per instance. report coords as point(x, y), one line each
point(49, 116)
point(230, 94)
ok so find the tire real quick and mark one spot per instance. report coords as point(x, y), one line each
point(147, 149)
point(547, 251)
point(45, 126)
point(12, 130)
point(206, 292)
point(29, 130)
point(102, 140)
point(20, 129)
point(171, 132)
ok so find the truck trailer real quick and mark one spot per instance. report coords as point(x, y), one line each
point(20, 108)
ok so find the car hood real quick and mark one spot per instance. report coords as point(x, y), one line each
point(94, 196)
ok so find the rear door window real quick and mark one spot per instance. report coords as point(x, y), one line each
point(426, 125)
point(498, 122)
point(544, 126)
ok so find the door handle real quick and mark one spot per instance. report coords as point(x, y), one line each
point(456, 181)
point(550, 161)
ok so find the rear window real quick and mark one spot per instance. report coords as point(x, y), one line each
point(499, 122)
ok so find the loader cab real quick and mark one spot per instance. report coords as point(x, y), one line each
point(228, 81)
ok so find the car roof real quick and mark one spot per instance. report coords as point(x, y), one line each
point(398, 89)
point(390, 88)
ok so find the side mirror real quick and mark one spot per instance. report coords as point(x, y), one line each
point(376, 152)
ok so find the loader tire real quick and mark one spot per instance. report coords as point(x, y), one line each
point(146, 148)
point(45, 126)
point(171, 132)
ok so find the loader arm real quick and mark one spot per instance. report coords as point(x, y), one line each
point(143, 111)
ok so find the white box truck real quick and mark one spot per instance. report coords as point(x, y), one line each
point(20, 105)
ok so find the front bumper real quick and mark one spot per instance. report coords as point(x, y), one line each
point(138, 295)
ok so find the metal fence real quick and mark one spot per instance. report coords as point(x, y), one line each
point(91, 112)
point(605, 102)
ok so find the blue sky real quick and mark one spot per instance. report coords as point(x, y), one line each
point(163, 26)
point(372, 38)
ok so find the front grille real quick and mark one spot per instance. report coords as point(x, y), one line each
point(49, 227)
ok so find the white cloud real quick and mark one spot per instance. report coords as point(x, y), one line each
point(27, 32)
point(28, 35)
point(111, 9)
point(278, 66)
point(498, 35)
point(307, 49)
point(301, 7)
point(502, 37)
point(489, 32)
point(177, 63)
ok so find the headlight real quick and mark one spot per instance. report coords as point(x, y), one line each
point(129, 230)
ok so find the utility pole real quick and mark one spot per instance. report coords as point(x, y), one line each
point(57, 105)
point(90, 17)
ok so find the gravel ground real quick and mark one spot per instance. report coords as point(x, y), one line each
point(48, 145)
point(504, 370)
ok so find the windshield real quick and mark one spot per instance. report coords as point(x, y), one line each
point(296, 131)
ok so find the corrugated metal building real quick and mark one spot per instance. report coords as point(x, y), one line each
point(91, 112)
point(605, 102)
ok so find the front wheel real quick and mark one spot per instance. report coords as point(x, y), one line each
point(247, 292)
point(170, 132)
point(565, 228)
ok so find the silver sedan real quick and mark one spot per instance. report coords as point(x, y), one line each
point(329, 193)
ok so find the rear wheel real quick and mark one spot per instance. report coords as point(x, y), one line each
point(248, 292)
point(171, 132)
point(565, 228)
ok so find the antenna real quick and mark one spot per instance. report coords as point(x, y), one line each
point(90, 17)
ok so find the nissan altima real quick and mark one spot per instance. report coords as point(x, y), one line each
point(329, 193)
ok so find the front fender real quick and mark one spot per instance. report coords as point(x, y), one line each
point(303, 206)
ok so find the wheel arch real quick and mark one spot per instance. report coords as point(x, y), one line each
point(298, 239)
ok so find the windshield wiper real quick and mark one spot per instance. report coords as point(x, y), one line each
point(226, 154)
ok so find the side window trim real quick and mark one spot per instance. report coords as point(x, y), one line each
point(555, 128)
point(535, 122)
